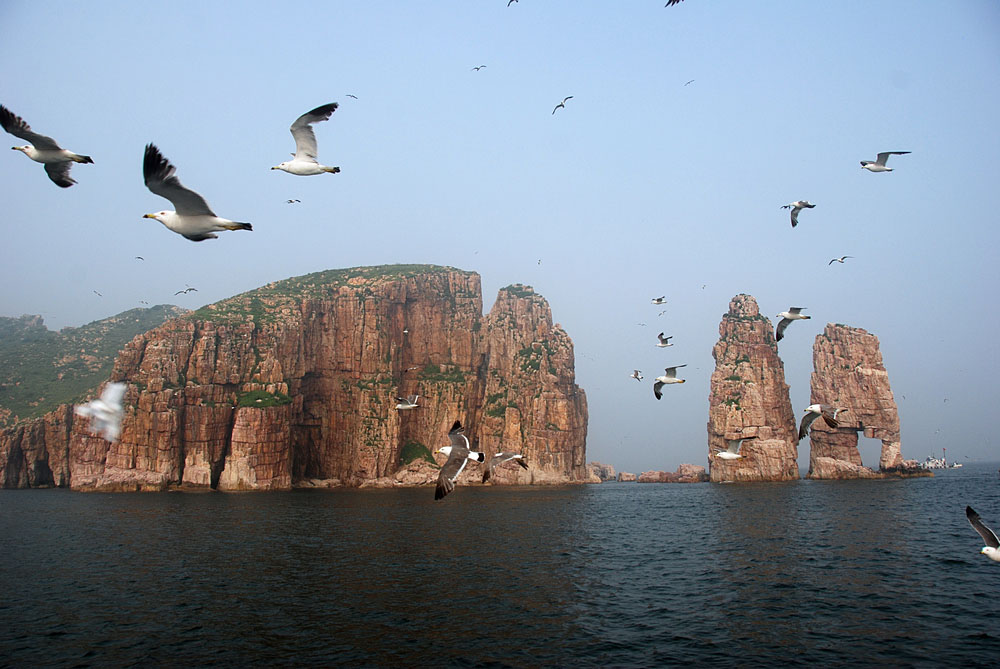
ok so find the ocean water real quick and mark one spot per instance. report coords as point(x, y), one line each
point(858, 573)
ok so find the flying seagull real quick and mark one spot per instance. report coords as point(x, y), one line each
point(562, 105)
point(787, 317)
point(98, 294)
point(501, 458)
point(458, 455)
point(304, 162)
point(670, 3)
point(292, 201)
point(669, 376)
point(510, 2)
point(193, 218)
point(796, 207)
point(139, 258)
point(992, 547)
point(664, 341)
point(841, 260)
point(42, 149)
point(478, 67)
point(689, 81)
point(405, 403)
point(186, 291)
point(732, 449)
point(352, 96)
point(105, 413)
point(879, 164)
point(636, 374)
point(814, 411)
point(662, 299)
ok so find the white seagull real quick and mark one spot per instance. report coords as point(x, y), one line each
point(636, 374)
point(458, 455)
point(501, 458)
point(45, 150)
point(841, 260)
point(879, 164)
point(193, 218)
point(562, 105)
point(669, 376)
point(105, 413)
point(814, 411)
point(796, 207)
point(787, 317)
point(409, 402)
point(662, 299)
point(664, 341)
point(304, 162)
point(732, 449)
point(992, 547)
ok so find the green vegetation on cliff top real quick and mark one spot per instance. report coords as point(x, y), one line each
point(41, 369)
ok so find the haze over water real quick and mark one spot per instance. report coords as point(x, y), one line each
point(857, 572)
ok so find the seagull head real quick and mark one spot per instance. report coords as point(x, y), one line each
point(992, 553)
point(21, 148)
point(157, 216)
point(813, 408)
point(444, 449)
point(282, 166)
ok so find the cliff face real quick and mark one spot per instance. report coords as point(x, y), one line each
point(749, 398)
point(848, 372)
point(298, 380)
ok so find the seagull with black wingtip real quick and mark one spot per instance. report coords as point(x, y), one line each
point(459, 454)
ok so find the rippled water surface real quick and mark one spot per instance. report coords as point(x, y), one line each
point(844, 573)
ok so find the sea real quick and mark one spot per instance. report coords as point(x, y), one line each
point(805, 573)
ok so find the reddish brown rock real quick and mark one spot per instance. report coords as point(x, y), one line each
point(848, 372)
point(749, 398)
point(297, 382)
point(600, 472)
point(626, 477)
point(685, 474)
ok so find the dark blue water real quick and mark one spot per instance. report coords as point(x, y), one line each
point(841, 573)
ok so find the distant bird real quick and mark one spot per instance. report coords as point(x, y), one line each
point(732, 449)
point(992, 547)
point(304, 162)
point(796, 207)
point(509, 2)
point(879, 164)
point(841, 260)
point(562, 105)
point(143, 302)
point(641, 324)
point(636, 374)
point(661, 313)
point(352, 96)
point(409, 402)
point(662, 299)
point(139, 258)
point(458, 455)
point(499, 459)
point(669, 376)
point(787, 317)
point(187, 290)
point(292, 201)
point(105, 413)
point(98, 294)
point(689, 81)
point(478, 67)
point(193, 218)
point(410, 369)
point(664, 341)
point(406, 331)
point(42, 149)
point(814, 411)
point(672, 2)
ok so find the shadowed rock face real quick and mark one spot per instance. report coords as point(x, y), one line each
point(297, 381)
point(848, 372)
point(749, 398)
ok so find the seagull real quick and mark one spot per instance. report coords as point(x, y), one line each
point(478, 67)
point(186, 291)
point(662, 299)
point(304, 161)
point(139, 258)
point(689, 81)
point(669, 376)
point(98, 294)
point(458, 455)
point(636, 374)
point(664, 341)
point(143, 302)
point(814, 411)
point(409, 402)
point(879, 164)
point(787, 317)
point(796, 207)
point(661, 313)
point(732, 449)
point(841, 260)
point(672, 2)
point(562, 105)
point(194, 219)
point(992, 547)
point(501, 458)
point(352, 96)
point(292, 201)
point(509, 2)
point(42, 149)
point(105, 413)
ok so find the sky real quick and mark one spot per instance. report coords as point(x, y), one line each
point(688, 129)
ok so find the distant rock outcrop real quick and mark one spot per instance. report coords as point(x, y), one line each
point(749, 399)
point(848, 372)
point(601, 471)
point(685, 474)
point(626, 477)
point(295, 383)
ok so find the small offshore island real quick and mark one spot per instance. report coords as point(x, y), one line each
point(294, 384)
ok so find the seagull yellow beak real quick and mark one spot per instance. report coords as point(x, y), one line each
point(275, 167)
point(149, 215)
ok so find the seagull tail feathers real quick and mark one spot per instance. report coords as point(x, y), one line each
point(81, 159)
point(236, 225)
point(480, 457)
point(331, 170)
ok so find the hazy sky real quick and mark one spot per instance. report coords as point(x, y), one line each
point(641, 186)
